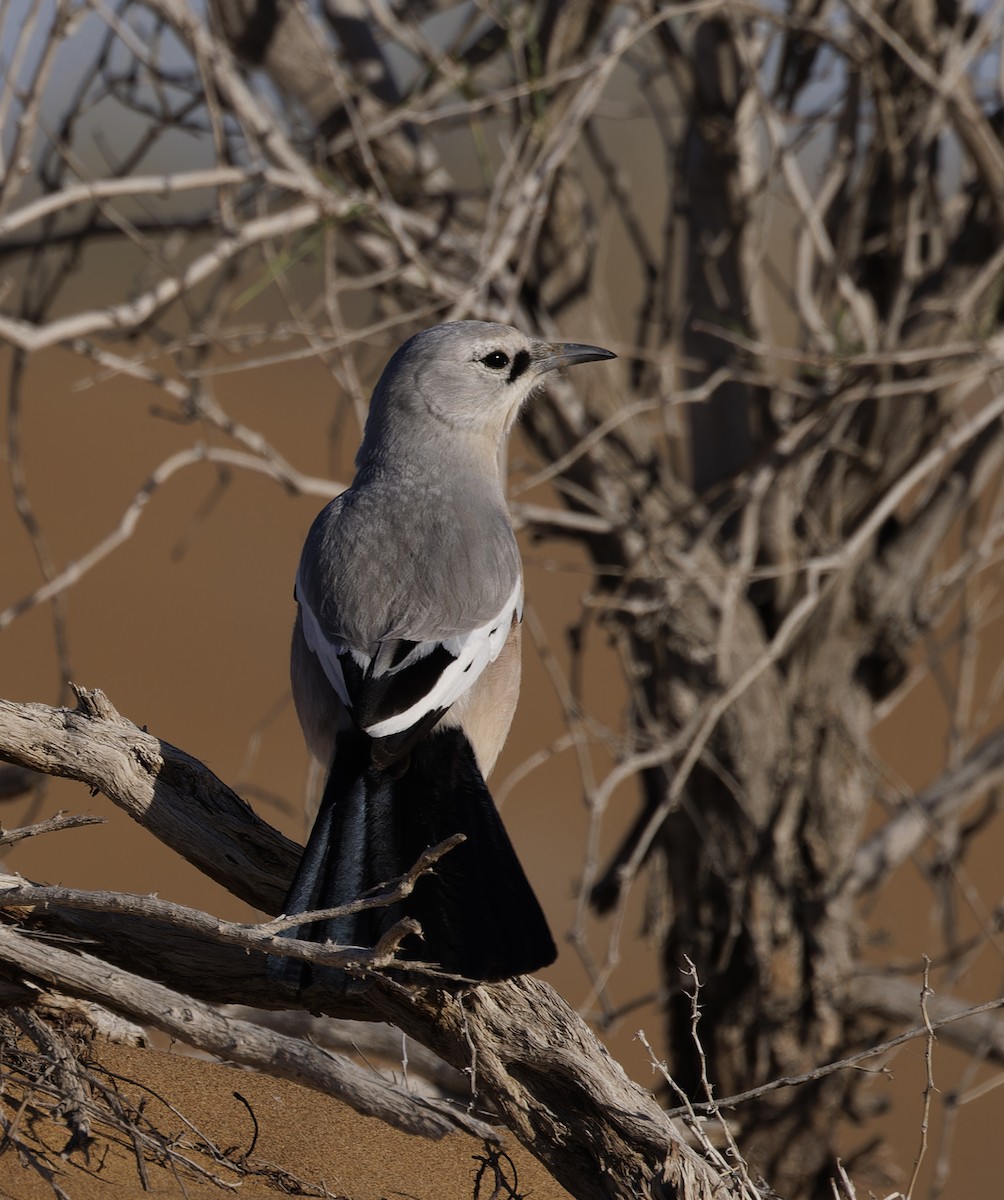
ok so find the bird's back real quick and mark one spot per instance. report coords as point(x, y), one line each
point(403, 558)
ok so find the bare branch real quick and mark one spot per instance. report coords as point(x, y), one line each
point(981, 770)
point(129, 520)
point(95, 745)
point(206, 1028)
point(60, 821)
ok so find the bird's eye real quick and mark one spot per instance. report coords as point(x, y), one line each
point(497, 360)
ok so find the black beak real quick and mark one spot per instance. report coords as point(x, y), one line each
point(567, 354)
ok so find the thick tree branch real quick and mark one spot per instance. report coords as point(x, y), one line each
point(205, 1027)
point(165, 790)
point(531, 1055)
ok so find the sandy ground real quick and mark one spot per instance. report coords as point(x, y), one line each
point(297, 1143)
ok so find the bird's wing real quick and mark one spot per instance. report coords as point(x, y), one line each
point(406, 684)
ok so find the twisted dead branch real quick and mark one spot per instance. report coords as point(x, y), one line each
point(530, 1055)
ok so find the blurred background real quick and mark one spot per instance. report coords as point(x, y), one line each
point(762, 547)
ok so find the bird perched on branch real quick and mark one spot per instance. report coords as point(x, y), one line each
point(406, 659)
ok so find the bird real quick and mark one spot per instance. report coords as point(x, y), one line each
point(405, 662)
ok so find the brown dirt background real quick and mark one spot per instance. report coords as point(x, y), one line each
point(295, 1138)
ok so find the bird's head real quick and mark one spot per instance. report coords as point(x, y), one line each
point(470, 376)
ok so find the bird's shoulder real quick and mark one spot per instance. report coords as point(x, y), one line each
point(378, 565)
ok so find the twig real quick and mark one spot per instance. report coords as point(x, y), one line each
point(263, 937)
point(60, 821)
point(852, 1060)
point(925, 1119)
point(713, 1109)
point(129, 520)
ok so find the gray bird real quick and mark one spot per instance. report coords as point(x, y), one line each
point(406, 659)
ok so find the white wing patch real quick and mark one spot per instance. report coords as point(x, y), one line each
point(328, 652)
point(471, 653)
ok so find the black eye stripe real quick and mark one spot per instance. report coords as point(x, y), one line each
point(519, 364)
point(498, 360)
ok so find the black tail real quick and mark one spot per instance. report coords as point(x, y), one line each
point(479, 915)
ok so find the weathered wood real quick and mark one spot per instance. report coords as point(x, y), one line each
point(526, 1051)
point(166, 790)
point(203, 1026)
